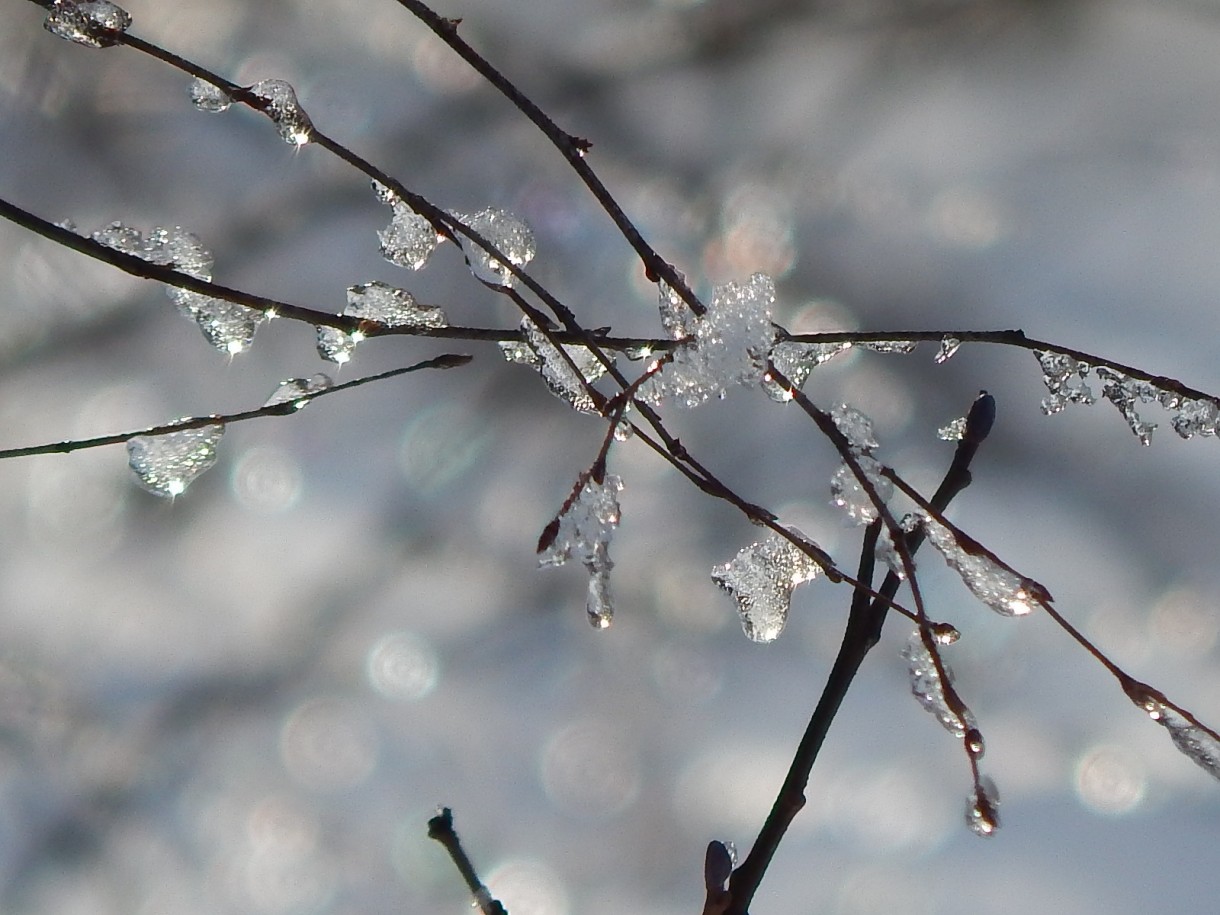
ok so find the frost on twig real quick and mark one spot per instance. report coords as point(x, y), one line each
point(229, 327)
point(582, 530)
point(378, 303)
point(761, 578)
point(567, 380)
point(1064, 379)
point(727, 346)
point(168, 463)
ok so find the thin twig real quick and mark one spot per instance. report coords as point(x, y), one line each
point(440, 828)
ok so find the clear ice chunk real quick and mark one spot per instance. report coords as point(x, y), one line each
point(856, 428)
point(1125, 393)
point(228, 326)
point(299, 391)
point(901, 347)
point(847, 493)
point(952, 432)
point(795, 361)
point(948, 347)
point(168, 463)
point(409, 240)
point(1199, 744)
point(1003, 591)
point(381, 304)
point(567, 381)
point(677, 317)
point(583, 530)
point(1195, 417)
point(728, 346)
point(87, 23)
point(284, 110)
point(513, 238)
point(1063, 377)
point(761, 578)
point(929, 689)
point(209, 97)
point(982, 809)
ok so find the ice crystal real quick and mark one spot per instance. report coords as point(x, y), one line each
point(847, 493)
point(382, 304)
point(1063, 377)
point(168, 463)
point(566, 380)
point(727, 346)
point(209, 97)
point(1197, 743)
point(856, 428)
point(87, 23)
point(948, 347)
point(583, 530)
point(513, 238)
point(982, 809)
point(1003, 591)
point(952, 432)
point(228, 326)
point(1124, 393)
point(677, 317)
point(299, 391)
point(285, 112)
point(410, 238)
point(1195, 417)
point(761, 579)
point(901, 347)
point(928, 687)
point(795, 361)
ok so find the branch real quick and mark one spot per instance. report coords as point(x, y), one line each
point(440, 828)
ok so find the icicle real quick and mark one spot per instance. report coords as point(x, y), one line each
point(299, 391)
point(795, 361)
point(513, 238)
point(948, 346)
point(382, 304)
point(1063, 376)
point(761, 579)
point(87, 23)
point(560, 377)
point(1124, 392)
point(168, 463)
point(208, 97)
point(901, 347)
point(982, 814)
point(1003, 591)
point(728, 346)
point(583, 530)
point(1197, 743)
point(926, 686)
point(285, 112)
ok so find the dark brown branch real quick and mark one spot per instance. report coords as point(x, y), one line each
point(440, 828)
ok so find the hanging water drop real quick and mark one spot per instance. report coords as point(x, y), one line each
point(982, 813)
point(583, 529)
point(166, 464)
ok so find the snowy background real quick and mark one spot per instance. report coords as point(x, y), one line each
point(251, 699)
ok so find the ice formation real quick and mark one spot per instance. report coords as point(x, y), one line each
point(510, 235)
point(208, 97)
point(761, 578)
point(567, 381)
point(929, 689)
point(299, 391)
point(87, 23)
point(229, 327)
point(284, 110)
point(379, 303)
point(168, 463)
point(795, 361)
point(982, 813)
point(583, 530)
point(846, 490)
point(1197, 743)
point(727, 346)
point(1002, 590)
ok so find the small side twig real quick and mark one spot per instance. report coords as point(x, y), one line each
point(440, 828)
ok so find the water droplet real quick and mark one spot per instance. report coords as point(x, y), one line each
point(761, 578)
point(168, 463)
point(229, 327)
point(513, 238)
point(208, 97)
point(87, 23)
point(285, 112)
point(299, 391)
point(973, 740)
point(982, 813)
point(727, 346)
point(948, 346)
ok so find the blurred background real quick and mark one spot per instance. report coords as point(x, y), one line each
point(251, 699)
